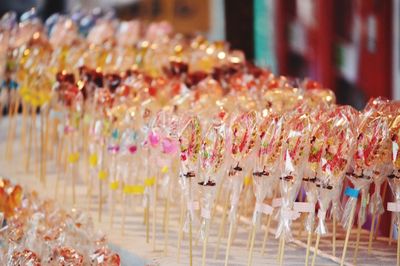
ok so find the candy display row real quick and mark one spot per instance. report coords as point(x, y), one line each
point(191, 118)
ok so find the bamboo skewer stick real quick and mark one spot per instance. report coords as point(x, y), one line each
point(253, 234)
point(309, 236)
point(180, 235)
point(357, 244)
point(346, 242)
point(29, 148)
point(266, 234)
point(391, 230)
point(282, 251)
point(228, 247)
point(371, 233)
point(207, 228)
point(316, 250)
point(334, 235)
point(166, 224)
point(154, 213)
point(222, 226)
point(398, 245)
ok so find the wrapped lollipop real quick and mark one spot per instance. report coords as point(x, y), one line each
point(370, 131)
point(265, 171)
point(381, 169)
point(190, 142)
point(294, 151)
point(244, 132)
point(312, 171)
point(212, 154)
point(164, 133)
point(333, 163)
point(394, 178)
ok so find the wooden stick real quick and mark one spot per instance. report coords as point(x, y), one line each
point(391, 230)
point(315, 250)
point(190, 243)
point(10, 111)
point(357, 244)
point(113, 203)
point(278, 257)
point(180, 235)
point(249, 239)
point(253, 234)
point(13, 126)
point(205, 241)
point(35, 141)
point(346, 242)
point(378, 224)
point(154, 213)
point(266, 234)
point(147, 218)
point(308, 246)
point(103, 154)
point(42, 148)
point(190, 226)
point(398, 245)
point(166, 223)
point(24, 124)
point(334, 235)
point(228, 248)
point(282, 251)
point(222, 226)
point(371, 233)
point(123, 214)
point(301, 227)
point(29, 148)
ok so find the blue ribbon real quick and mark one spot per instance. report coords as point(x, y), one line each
point(352, 192)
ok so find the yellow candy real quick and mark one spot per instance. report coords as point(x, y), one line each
point(93, 160)
point(150, 181)
point(73, 157)
point(103, 174)
point(164, 170)
point(134, 189)
point(247, 180)
point(114, 185)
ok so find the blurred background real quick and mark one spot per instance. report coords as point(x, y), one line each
point(350, 46)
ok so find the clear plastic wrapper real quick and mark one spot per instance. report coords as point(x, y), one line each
point(212, 153)
point(265, 170)
point(190, 143)
point(370, 131)
point(394, 178)
point(243, 136)
point(294, 152)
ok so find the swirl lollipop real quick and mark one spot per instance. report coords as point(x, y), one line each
point(244, 132)
point(294, 152)
point(371, 131)
point(212, 154)
point(313, 169)
point(381, 169)
point(266, 170)
point(394, 178)
point(190, 142)
point(333, 163)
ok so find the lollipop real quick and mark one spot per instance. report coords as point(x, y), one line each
point(244, 132)
point(313, 169)
point(294, 151)
point(265, 170)
point(371, 131)
point(381, 169)
point(190, 142)
point(333, 163)
point(211, 158)
point(394, 178)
